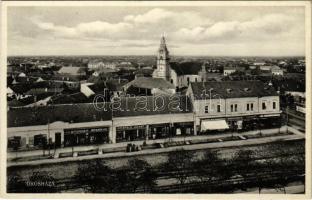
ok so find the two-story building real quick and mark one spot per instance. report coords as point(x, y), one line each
point(233, 105)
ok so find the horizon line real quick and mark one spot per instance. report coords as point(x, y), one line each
point(188, 55)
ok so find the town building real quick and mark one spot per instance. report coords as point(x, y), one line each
point(233, 104)
point(96, 65)
point(228, 71)
point(276, 70)
point(128, 119)
point(265, 68)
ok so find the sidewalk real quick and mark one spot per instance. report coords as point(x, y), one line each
point(224, 144)
point(19, 154)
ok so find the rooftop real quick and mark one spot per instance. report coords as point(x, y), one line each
point(71, 70)
point(231, 89)
point(87, 112)
point(186, 68)
point(150, 83)
point(153, 105)
point(48, 114)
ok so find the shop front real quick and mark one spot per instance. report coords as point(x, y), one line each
point(210, 126)
point(184, 129)
point(158, 131)
point(86, 136)
point(153, 131)
point(130, 133)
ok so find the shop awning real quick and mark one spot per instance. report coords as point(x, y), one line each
point(214, 125)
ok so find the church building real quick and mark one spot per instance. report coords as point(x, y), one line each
point(178, 74)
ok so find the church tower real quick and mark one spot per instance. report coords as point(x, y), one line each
point(163, 69)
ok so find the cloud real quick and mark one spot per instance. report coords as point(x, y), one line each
point(153, 16)
point(267, 26)
point(56, 30)
point(86, 30)
point(150, 24)
point(191, 31)
point(100, 27)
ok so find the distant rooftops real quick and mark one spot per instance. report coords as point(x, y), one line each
point(231, 89)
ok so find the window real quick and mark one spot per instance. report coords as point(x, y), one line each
point(219, 108)
point(251, 106)
point(247, 107)
point(206, 109)
point(171, 81)
point(195, 79)
point(188, 80)
point(263, 106)
point(235, 106)
point(274, 105)
point(232, 108)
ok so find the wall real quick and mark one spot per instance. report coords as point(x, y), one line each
point(199, 106)
point(28, 132)
point(269, 104)
point(182, 80)
point(152, 119)
point(228, 72)
point(84, 88)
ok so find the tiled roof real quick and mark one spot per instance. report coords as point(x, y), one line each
point(86, 112)
point(70, 98)
point(147, 105)
point(30, 116)
point(186, 68)
point(231, 89)
point(275, 68)
point(150, 83)
point(37, 91)
point(71, 70)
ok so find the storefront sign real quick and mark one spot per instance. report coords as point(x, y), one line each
point(85, 131)
point(131, 127)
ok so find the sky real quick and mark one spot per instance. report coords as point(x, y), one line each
point(204, 31)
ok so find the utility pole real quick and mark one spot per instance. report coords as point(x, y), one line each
point(49, 136)
point(287, 119)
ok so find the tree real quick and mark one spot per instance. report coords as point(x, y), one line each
point(207, 166)
point(95, 176)
point(15, 183)
point(179, 163)
point(243, 164)
point(126, 180)
point(144, 175)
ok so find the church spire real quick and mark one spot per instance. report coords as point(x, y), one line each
point(162, 39)
point(162, 70)
point(163, 46)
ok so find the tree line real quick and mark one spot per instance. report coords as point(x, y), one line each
point(208, 174)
